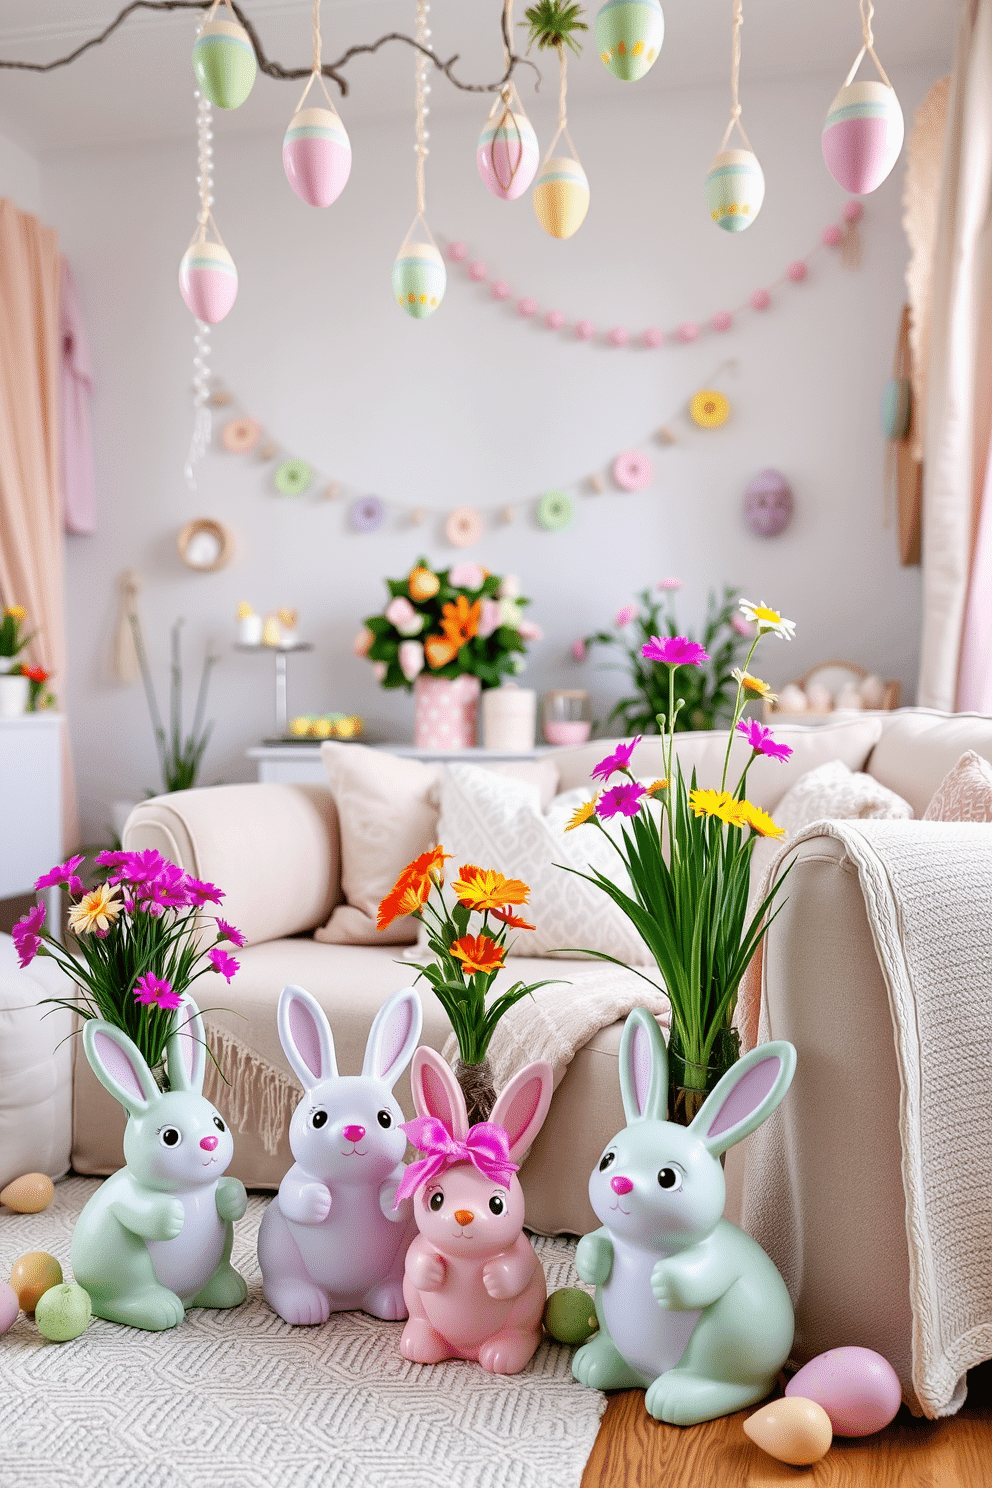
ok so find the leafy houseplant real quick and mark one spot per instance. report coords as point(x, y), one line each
point(706, 693)
point(554, 24)
point(465, 964)
point(689, 860)
point(179, 755)
point(12, 641)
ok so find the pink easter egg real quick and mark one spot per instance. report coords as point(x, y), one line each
point(688, 331)
point(316, 156)
point(617, 336)
point(862, 136)
point(554, 320)
point(208, 281)
point(501, 290)
point(722, 320)
point(653, 337)
point(797, 271)
point(457, 251)
point(858, 1389)
point(9, 1306)
point(831, 236)
point(760, 300)
point(853, 211)
point(477, 271)
point(584, 329)
point(507, 155)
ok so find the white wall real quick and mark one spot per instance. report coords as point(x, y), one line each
point(474, 406)
point(20, 176)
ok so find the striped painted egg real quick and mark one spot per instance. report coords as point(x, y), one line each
point(863, 136)
point(735, 189)
point(629, 34)
point(419, 279)
point(561, 196)
point(507, 154)
point(224, 63)
point(208, 281)
point(316, 156)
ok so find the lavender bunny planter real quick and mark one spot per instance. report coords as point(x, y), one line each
point(690, 1308)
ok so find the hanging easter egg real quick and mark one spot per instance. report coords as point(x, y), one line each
point(316, 156)
point(208, 281)
point(507, 154)
point(418, 279)
point(224, 63)
point(561, 196)
point(629, 34)
point(863, 136)
point(735, 189)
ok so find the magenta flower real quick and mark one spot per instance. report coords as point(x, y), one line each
point(222, 962)
point(622, 799)
point(618, 760)
point(26, 935)
point(761, 741)
point(62, 873)
point(231, 933)
point(669, 584)
point(743, 627)
point(674, 651)
point(153, 991)
point(203, 893)
point(624, 615)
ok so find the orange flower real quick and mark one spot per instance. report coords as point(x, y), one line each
point(482, 889)
point(460, 620)
point(512, 920)
point(412, 889)
point(439, 651)
point(655, 787)
point(478, 953)
point(423, 584)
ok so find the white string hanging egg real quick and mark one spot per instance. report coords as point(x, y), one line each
point(316, 150)
point(735, 182)
point(561, 191)
point(208, 279)
point(507, 153)
point(419, 275)
point(629, 34)
point(864, 130)
point(224, 59)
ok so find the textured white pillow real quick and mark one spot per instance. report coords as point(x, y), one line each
point(965, 793)
point(496, 822)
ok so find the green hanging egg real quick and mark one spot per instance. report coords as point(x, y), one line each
point(629, 34)
point(570, 1315)
point(224, 63)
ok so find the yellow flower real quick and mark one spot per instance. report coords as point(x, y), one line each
point(582, 814)
point(759, 821)
point(716, 803)
point(767, 619)
point(755, 685)
point(96, 911)
point(655, 787)
point(483, 888)
point(18, 611)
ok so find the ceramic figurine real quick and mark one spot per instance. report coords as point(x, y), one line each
point(332, 1240)
point(690, 1308)
point(156, 1238)
point(473, 1285)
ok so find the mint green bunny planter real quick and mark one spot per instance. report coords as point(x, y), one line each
point(156, 1237)
point(690, 1308)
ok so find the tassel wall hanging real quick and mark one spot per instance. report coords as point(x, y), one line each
point(507, 153)
point(561, 191)
point(864, 130)
point(316, 150)
point(419, 275)
point(224, 59)
point(735, 184)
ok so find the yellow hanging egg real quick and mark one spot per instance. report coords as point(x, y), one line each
point(561, 196)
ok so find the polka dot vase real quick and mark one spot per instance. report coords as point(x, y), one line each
point(735, 189)
point(629, 34)
point(445, 712)
point(419, 279)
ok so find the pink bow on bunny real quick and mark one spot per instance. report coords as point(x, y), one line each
point(486, 1145)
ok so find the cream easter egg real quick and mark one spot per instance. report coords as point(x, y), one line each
point(507, 154)
point(224, 63)
point(629, 34)
point(316, 156)
point(862, 136)
point(735, 189)
point(208, 281)
point(419, 279)
point(858, 1389)
point(29, 1194)
point(561, 196)
point(791, 1430)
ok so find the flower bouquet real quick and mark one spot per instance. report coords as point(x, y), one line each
point(690, 892)
point(139, 944)
point(466, 964)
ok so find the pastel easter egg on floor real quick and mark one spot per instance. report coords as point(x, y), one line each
point(9, 1306)
point(792, 1430)
point(32, 1275)
point(63, 1312)
point(735, 189)
point(629, 34)
point(208, 281)
point(507, 154)
point(419, 278)
point(316, 156)
point(28, 1194)
point(768, 504)
point(863, 136)
point(858, 1389)
point(224, 63)
point(561, 196)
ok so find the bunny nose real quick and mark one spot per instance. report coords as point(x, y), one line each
point(464, 1216)
point(354, 1133)
point(208, 1143)
point(620, 1185)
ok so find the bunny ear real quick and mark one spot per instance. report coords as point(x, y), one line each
point(521, 1108)
point(436, 1092)
point(118, 1065)
point(394, 1035)
point(187, 1049)
point(747, 1094)
point(643, 1068)
point(305, 1034)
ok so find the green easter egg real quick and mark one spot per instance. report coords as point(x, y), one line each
point(570, 1315)
point(63, 1312)
point(224, 63)
point(629, 34)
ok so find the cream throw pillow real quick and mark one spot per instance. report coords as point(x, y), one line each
point(965, 793)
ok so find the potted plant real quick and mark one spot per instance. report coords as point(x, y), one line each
point(14, 683)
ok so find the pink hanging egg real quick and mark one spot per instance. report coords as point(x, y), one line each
point(316, 156)
point(507, 154)
point(208, 281)
point(863, 136)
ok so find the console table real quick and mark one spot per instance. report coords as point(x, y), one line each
point(300, 764)
point(30, 805)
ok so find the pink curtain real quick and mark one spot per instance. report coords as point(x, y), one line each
point(31, 543)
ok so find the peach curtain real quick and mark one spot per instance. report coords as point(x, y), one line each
point(31, 543)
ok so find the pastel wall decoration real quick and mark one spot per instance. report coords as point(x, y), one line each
point(709, 408)
point(292, 477)
point(507, 154)
point(864, 130)
point(238, 436)
point(205, 545)
point(632, 471)
point(367, 514)
point(224, 59)
point(629, 34)
point(561, 196)
point(735, 182)
point(463, 527)
point(419, 276)
point(556, 510)
point(208, 279)
point(768, 504)
point(316, 150)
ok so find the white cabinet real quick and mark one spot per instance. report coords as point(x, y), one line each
point(30, 801)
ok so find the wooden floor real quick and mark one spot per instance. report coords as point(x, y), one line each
point(633, 1451)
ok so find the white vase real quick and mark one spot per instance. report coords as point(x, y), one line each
point(508, 718)
point(6, 662)
point(14, 693)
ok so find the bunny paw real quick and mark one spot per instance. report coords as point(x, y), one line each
point(508, 1352)
point(232, 1201)
point(386, 1301)
point(423, 1344)
point(599, 1365)
point(594, 1259)
point(224, 1289)
point(684, 1399)
point(299, 1302)
point(154, 1310)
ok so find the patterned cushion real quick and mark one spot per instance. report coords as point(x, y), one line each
point(965, 793)
point(833, 791)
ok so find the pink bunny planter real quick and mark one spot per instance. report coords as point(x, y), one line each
point(473, 1285)
point(334, 1240)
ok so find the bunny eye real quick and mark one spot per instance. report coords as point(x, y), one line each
point(436, 1200)
point(496, 1204)
point(670, 1179)
point(318, 1119)
point(219, 1124)
point(605, 1161)
point(170, 1136)
point(384, 1119)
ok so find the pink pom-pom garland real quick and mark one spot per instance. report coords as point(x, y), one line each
point(501, 290)
point(832, 236)
point(652, 337)
point(760, 300)
point(617, 336)
point(527, 306)
point(797, 271)
point(584, 329)
point(722, 320)
point(477, 271)
point(457, 251)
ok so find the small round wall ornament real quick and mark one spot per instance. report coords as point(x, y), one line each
point(864, 129)
point(629, 34)
point(632, 470)
point(735, 182)
point(224, 59)
point(463, 527)
point(507, 154)
point(205, 545)
point(556, 511)
point(208, 279)
point(240, 435)
point(768, 504)
point(292, 477)
point(366, 514)
point(709, 408)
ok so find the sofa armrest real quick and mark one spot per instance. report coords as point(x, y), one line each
point(272, 849)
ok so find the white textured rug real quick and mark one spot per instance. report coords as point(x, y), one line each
point(242, 1400)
